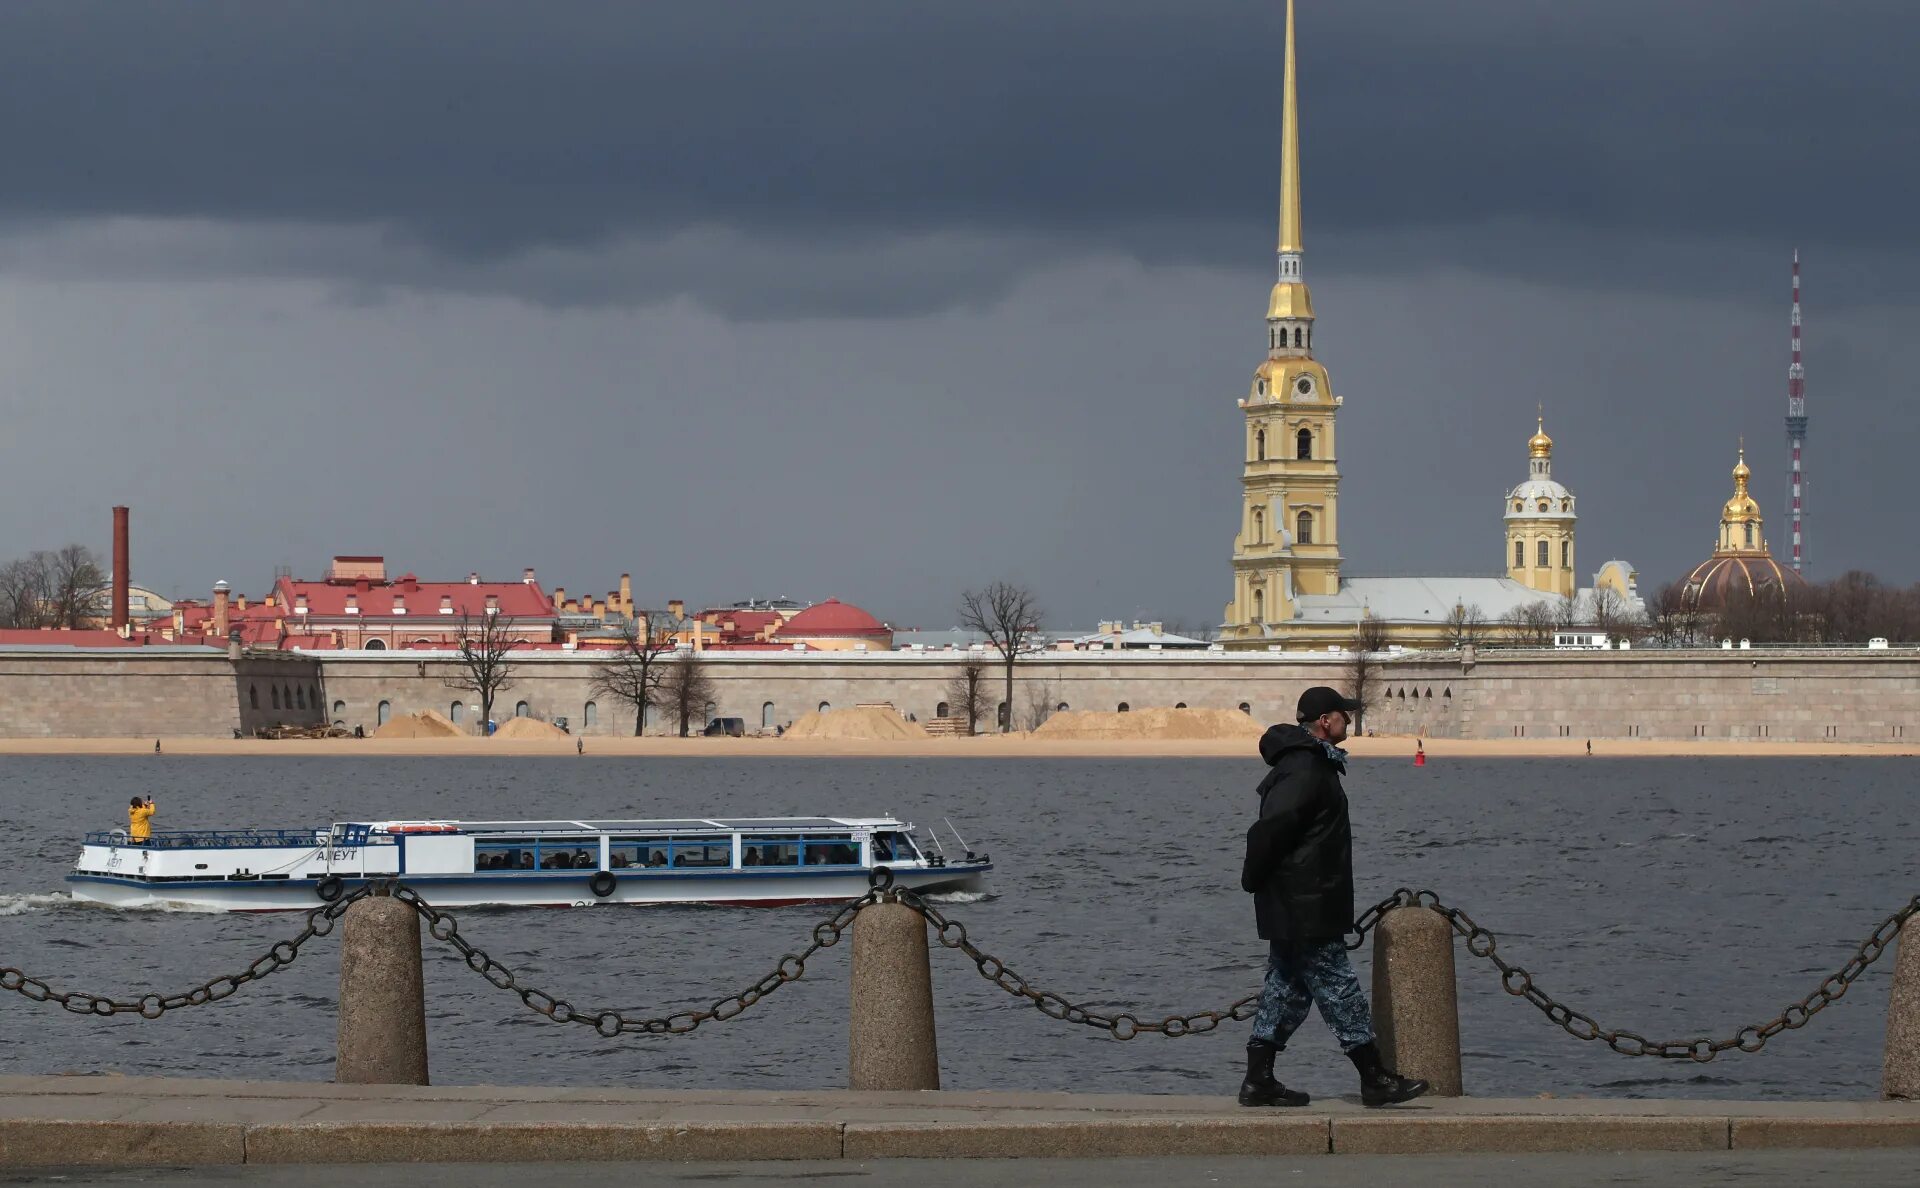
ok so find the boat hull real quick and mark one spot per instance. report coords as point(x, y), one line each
point(745, 888)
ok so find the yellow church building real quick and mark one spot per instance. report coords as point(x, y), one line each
point(1288, 591)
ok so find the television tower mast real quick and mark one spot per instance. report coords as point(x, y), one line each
point(1796, 421)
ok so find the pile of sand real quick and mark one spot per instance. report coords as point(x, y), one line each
point(1153, 722)
point(425, 724)
point(864, 722)
point(528, 728)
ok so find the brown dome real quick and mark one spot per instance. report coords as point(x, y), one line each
point(1725, 578)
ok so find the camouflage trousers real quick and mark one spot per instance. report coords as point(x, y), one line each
point(1302, 973)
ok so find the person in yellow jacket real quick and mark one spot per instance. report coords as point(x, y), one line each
point(140, 819)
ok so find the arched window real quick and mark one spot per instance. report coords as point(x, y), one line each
point(1749, 535)
point(1260, 387)
point(1543, 505)
point(384, 713)
point(313, 695)
point(766, 715)
point(1429, 692)
point(300, 696)
point(339, 708)
point(1259, 606)
point(275, 693)
point(376, 645)
point(457, 713)
point(1517, 505)
point(286, 696)
point(522, 710)
point(825, 706)
point(1542, 553)
point(1260, 441)
point(1566, 554)
point(590, 716)
point(1125, 708)
point(1303, 528)
point(1303, 444)
point(941, 710)
point(1000, 715)
point(253, 695)
point(1519, 554)
point(1299, 337)
point(1179, 705)
point(1246, 708)
point(1061, 708)
point(1259, 525)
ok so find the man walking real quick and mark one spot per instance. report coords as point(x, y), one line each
point(1299, 868)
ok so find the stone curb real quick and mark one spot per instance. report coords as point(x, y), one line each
point(27, 1142)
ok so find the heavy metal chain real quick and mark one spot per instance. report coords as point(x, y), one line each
point(1519, 982)
point(320, 922)
point(442, 926)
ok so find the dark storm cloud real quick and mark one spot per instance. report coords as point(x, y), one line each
point(473, 134)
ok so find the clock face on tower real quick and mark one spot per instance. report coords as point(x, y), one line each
point(1304, 386)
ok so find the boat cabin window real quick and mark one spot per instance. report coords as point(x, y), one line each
point(506, 853)
point(894, 847)
point(671, 851)
point(836, 849)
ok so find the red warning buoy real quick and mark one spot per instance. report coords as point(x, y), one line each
point(1419, 755)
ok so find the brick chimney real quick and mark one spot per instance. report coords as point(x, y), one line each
point(220, 594)
point(122, 614)
point(493, 604)
point(677, 608)
point(626, 593)
point(446, 604)
point(528, 576)
point(559, 598)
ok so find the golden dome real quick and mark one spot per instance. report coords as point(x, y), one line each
point(1290, 299)
point(1741, 507)
point(1540, 445)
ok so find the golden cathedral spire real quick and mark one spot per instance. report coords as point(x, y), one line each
point(1290, 152)
point(1290, 299)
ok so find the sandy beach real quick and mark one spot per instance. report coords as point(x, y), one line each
point(1015, 746)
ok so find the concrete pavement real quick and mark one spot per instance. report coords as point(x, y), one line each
point(143, 1122)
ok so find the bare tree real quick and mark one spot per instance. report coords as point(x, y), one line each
point(1531, 624)
point(75, 585)
point(485, 670)
point(967, 691)
point(633, 674)
point(1039, 707)
point(1369, 640)
point(23, 601)
point(1466, 624)
point(1008, 615)
point(686, 688)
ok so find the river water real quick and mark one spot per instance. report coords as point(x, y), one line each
point(1669, 896)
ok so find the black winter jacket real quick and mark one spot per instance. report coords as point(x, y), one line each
point(1299, 863)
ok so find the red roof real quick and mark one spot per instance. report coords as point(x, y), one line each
point(81, 639)
point(375, 600)
point(833, 618)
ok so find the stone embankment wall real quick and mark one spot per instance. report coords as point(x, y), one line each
point(178, 692)
point(1787, 696)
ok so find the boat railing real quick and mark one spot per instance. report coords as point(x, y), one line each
point(211, 839)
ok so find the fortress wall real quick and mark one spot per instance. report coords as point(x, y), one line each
point(1787, 696)
point(107, 693)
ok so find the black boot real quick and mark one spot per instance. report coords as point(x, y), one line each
point(1259, 1088)
point(1378, 1085)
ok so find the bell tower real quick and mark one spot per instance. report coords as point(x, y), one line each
point(1539, 520)
point(1288, 542)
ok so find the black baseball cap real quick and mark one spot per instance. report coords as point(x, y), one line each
point(1322, 700)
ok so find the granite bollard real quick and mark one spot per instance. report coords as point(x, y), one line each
point(383, 1010)
point(1900, 1077)
point(890, 1025)
point(1416, 1007)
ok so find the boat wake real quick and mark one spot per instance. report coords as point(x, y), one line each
point(959, 896)
point(21, 905)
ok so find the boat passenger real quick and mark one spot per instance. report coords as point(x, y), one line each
point(659, 859)
point(526, 860)
point(140, 818)
point(581, 860)
point(751, 857)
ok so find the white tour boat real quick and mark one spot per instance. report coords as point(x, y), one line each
point(758, 861)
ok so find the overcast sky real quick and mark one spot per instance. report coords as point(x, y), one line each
point(877, 299)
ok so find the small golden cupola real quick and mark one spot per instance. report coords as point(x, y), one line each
point(1540, 445)
point(1741, 568)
